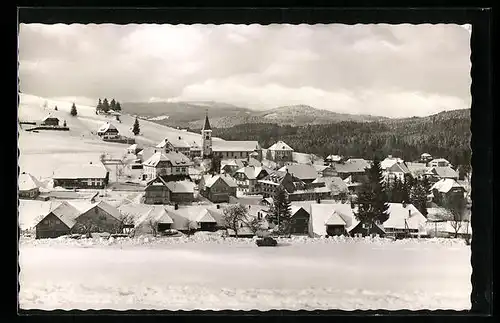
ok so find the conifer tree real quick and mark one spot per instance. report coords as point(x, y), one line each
point(215, 165)
point(280, 212)
point(99, 106)
point(112, 104)
point(55, 108)
point(418, 197)
point(105, 105)
point(73, 111)
point(372, 200)
point(64, 124)
point(136, 130)
point(118, 107)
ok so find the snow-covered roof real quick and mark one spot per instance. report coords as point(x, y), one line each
point(443, 172)
point(449, 227)
point(31, 212)
point(67, 213)
point(232, 162)
point(398, 168)
point(333, 213)
point(27, 182)
point(301, 171)
point(445, 185)
point(404, 217)
point(107, 126)
point(210, 180)
point(221, 146)
point(417, 167)
point(160, 215)
point(426, 155)
point(389, 161)
point(205, 216)
point(280, 145)
point(132, 147)
point(334, 183)
point(80, 171)
point(175, 158)
point(181, 186)
point(334, 158)
point(106, 207)
point(250, 171)
point(439, 160)
point(353, 165)
point(49, 116)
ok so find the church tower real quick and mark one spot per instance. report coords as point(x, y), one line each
point(206, 134)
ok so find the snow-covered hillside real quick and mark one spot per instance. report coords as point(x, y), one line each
point(41, 152)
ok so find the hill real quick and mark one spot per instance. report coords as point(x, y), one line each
point(181, 114)
point(446, 134)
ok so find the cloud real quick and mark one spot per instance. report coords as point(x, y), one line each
point(381, 69)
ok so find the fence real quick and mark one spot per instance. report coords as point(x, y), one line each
point(49, 128)
point(121, 140)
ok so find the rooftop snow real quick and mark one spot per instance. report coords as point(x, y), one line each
point(79, 171)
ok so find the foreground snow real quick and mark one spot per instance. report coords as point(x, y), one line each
point(183, 273)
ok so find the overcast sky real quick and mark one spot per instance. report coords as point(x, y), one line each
point(395, 71)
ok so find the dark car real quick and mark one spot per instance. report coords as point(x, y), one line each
point(267, 242)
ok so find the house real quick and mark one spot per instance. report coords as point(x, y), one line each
point(425, 158)
point(325, 170)
point(195, 218)
point(299, 221)
point(449, 229)
point(280, 152)
point(417, 170)
point(272, 181)
point(218, 188)
point(70, 176)
point(227, 149)
point(338, 188)
point(309, 194)
point(50, 121)
point(247, 179)
point(330, 219)
point(447, 190)
point(181, 192)
point(28, 186)
point(389, 161)
point(439, 162)
point(354, 168)
point(59, 221)
point(404, 219)
point(306, 173)
point(133, 149)
point(102, 216)
point(156, 192)
point(179, 144)
point(147, 219)
point(333, 159)
point(108, 131)
point(435, 174)
point(396, 171)
point(163, 163)
point(230, 166)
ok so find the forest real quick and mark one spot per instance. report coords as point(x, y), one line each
point(405, 138)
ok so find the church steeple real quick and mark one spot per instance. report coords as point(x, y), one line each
point(206, 126)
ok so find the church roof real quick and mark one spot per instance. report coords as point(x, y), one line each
point(206, 126)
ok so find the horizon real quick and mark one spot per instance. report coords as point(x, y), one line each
point(394, 71)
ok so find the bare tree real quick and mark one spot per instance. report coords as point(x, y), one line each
point(233, 216)
point(254, 224)
point(455, 212)
point(192, 226)
point(86, 226)
point(124, 220)
point(153, 225)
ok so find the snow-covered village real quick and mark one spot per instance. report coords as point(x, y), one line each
point(122, 208)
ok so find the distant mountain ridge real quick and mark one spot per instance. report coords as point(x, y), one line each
point(191, 114)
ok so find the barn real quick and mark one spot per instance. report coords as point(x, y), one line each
point(58, 222)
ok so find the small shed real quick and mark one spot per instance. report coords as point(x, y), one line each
point(50, 121)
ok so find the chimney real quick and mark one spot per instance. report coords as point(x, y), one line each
point(218, 206)
point(176, 206)
point(90, 163)
point(179, 137)
point(319, 201)
point(409, 213)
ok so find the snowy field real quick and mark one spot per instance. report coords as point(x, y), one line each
point(185, 273)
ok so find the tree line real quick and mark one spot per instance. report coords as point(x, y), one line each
point(105, 106)
point(408, 139)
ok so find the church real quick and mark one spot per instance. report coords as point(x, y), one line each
point(228, 149)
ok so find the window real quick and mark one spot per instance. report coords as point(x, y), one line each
point(46, 221)
point(207, 137)
point(58, 221)
point(183, 169)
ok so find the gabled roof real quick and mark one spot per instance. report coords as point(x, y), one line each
point(335, 219)
point(353, 166)
point(330, 213)
point(417, 167)
point(389, 161)
point(111, 210)
point(404, 216)
point(211, 180)
point(335, 184)
point(49, 116)
point(107, 126)
point(250, 171)
point(398, 168)
point(67, 213)
point(159, 214)
point(232, 162)
point(445, 185)
point(76, 171)
point(321, 168)
point(206, 217)
point(301, 171)
point(247, 146)
point(444, 172)
point(181, 187)
point(206, 126)
point(175, 158)
point(334, 158)
point(280, 145)
point(27, 182)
